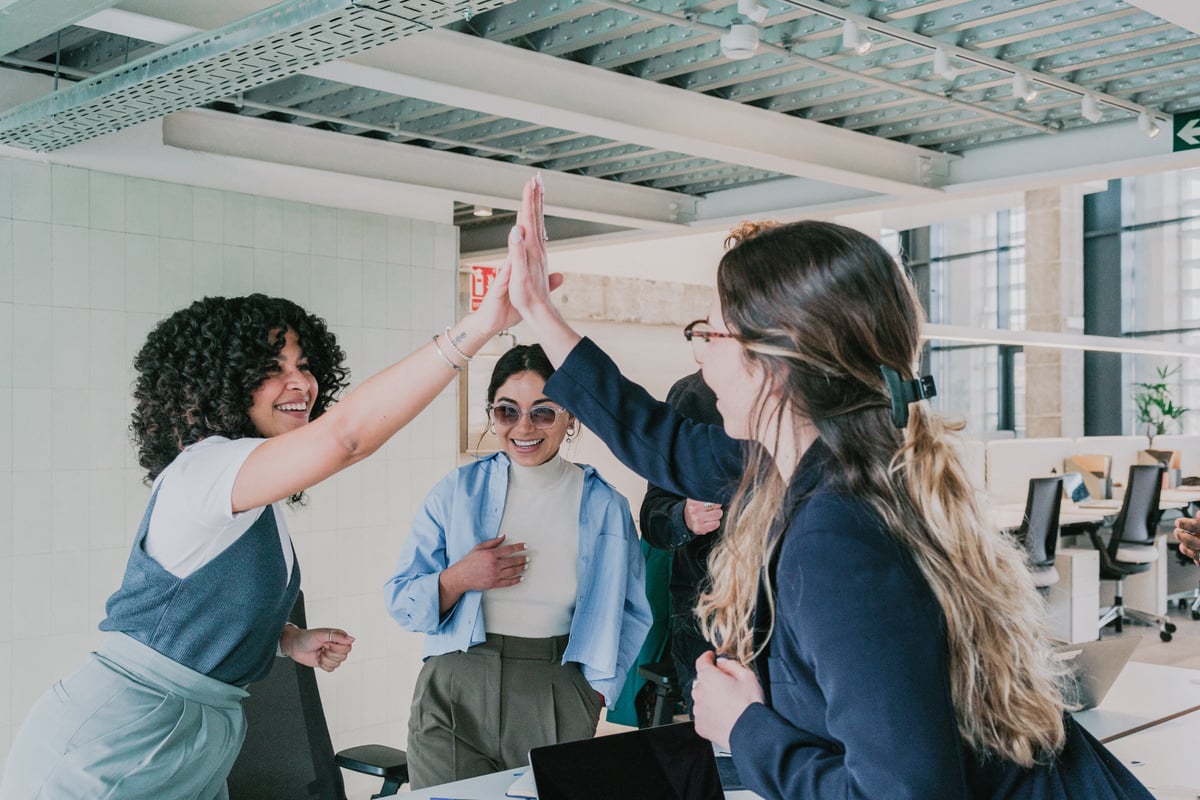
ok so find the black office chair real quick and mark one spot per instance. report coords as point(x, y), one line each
point(288, 754)
point(1039, 529)
point(667, 695)
point(1130, 548)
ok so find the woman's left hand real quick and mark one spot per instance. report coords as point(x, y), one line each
point(723, 689)
point(326, 648)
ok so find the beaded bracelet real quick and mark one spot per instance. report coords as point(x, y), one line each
point(445, 357)
point(454, 347)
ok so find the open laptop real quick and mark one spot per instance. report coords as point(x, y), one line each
point(672, 762)
point(1075, 489)
point(1097, 665)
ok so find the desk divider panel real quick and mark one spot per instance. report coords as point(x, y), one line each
point(1011, 463)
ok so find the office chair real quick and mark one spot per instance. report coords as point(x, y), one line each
point(1039, 529)
point(1130, 548)
point(288, 754)
point(667, 695)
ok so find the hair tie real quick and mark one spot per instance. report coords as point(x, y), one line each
point(905, 392)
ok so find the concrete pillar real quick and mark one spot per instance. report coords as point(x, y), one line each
point(1054, 302)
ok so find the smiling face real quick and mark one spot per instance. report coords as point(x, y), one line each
point(524, 443)
point(283, 401)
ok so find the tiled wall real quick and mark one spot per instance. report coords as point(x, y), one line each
point(88, 263)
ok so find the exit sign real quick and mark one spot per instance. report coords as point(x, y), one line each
point(1187, 132)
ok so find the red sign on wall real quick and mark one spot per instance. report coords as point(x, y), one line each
point(481, 279)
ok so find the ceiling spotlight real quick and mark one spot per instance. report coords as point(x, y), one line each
point(852, 38)
point(1089, 109)
point(740, 41)
point(1022, 89)
point(752, 9)
point(1148, 125)
point(941, 65)
point(482, 211)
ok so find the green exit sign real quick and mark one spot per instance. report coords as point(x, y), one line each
point(1187, 132)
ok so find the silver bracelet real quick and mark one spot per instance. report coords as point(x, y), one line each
point(454, 347)
point(445, 357)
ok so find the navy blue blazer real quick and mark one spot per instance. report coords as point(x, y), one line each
point(856, 675)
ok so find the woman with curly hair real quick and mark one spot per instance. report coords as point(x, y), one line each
point(234, 414)
point(874, 636)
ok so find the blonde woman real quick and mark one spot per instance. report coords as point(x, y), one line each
point(874, 638)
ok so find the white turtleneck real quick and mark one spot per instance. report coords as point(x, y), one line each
point(541, 510)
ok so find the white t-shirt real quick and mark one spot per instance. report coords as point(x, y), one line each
point(193, 520)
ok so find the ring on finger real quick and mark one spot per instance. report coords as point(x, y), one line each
point(709, 506)
point(330, 639)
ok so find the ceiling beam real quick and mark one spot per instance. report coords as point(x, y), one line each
point(1185, 15)
point(25, 21)
point(469, 179)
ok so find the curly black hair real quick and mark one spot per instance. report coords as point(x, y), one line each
point(199, 367)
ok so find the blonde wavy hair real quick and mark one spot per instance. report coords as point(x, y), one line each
point(820, 308)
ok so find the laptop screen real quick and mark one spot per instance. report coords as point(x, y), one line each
point(672, 762)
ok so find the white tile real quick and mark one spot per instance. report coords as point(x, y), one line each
point(69, 348)
point(106, 509)
point(444, 300)
point(137, 327)
point(69, 196)
point(31, 581)
point(421, 300)
point(323, 230)
point(374, 294)
point(296, 280)
point(6, 191)
point(6, 531)
point(239, 219)
point(422, 243)
point(106, 195)
point(373, 354)
point(399, 244)
point(208, 270)
point(174, 274)
point(105, 570)
point(31, 183)
point(208, 215)
point(176, 215)
point(349, 502)
point(6, 259)
point(106, 281)
point(32, 346)
point(106, 339)
point(108, 423)
point(31, 253)
point(268, 223)
point(349, 292)
point(296, 238)
point(69, 512)
point(374, 237)
point(6, 344)
point(268, 272)
point(31, 512)
point(372, 474)
point(6, 437)
point(69, 611)
point(324, 288)
point(71, 266)
point(445, 247)
point(349, 234)
point(399, 297)
point(141, 273)
point(142, 206)
point(70, 439)
point(137, 498)
point(238, 270)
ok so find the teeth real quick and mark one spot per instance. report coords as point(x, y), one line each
point(293, 407)
point(526, 443)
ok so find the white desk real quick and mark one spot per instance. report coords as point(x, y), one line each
point(1143, 696)
point(492, 787)
point(1164, 757)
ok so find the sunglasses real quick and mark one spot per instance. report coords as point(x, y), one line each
point(541, 417)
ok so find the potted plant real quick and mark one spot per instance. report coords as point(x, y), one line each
point(1155, 405)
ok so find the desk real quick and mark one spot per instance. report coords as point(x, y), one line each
point(1164, 757)
point(492, 787)
point(1143, 696)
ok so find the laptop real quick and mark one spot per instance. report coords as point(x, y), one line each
point(1075, 489)
point(672, 762)
point(1097, 665)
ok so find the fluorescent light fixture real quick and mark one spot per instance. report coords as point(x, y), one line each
point(739, 42)
point(1058, 341)
point(752, 9)
point(481, 211)
point(1089, 109)
point(1148, 125)
point(852, 38)
point(941, 65)
point(1022, 89)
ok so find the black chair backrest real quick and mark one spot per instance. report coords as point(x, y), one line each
point(1039, 529)
point(1138, 519)
point(288, 754)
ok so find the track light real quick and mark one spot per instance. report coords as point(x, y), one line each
point(1148, 125)
point(941, 65)
point(482, 211)
point(752, 9)
point(852, 38)
point(1022, 89)
point(740, 41)
point(1089, 109)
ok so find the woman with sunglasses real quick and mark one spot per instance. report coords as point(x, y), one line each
point(875, 637)
point(524, 572)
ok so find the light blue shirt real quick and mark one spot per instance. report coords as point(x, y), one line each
point(611, 615)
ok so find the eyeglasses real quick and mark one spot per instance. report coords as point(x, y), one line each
point(699, 333)
point(541, 417)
